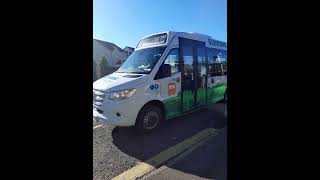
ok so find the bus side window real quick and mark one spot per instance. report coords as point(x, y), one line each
point(218, 69)
point(172, 60)
point(211, 70)
point(225, 68)
point(215, 69)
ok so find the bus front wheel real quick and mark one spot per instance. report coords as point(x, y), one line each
point(148, 119)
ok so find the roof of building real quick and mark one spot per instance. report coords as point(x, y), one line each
point(108, 45)
point(128, 48)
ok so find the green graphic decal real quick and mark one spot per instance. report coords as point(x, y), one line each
point(201, 96)
point(216, 93)
point(188, 99)
point(172, 106)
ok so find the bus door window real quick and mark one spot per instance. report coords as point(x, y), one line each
point(171, 60)
point(188, 69)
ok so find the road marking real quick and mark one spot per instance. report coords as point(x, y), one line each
point(97, 126)
point(164, 156)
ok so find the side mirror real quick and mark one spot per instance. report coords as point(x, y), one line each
point(166, 70)
point(157, 56)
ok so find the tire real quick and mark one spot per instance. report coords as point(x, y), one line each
point(148, 119)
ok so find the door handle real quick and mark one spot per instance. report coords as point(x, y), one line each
point(177, 79)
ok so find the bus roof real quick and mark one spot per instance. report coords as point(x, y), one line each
point(210, 42)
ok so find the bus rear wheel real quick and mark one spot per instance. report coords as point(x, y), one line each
point(148, 119)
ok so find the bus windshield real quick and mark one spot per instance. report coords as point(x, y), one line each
point(142, 61)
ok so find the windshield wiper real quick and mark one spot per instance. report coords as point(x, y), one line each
point(132, 72)
point(139, 72)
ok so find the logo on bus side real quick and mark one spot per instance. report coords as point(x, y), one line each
point(154, 86)
point(213, 42)
point(171, 88)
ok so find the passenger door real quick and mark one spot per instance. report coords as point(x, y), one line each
point(201, 74)
point(169, 76)
point(193, 63)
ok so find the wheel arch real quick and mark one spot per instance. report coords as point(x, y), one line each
point(157, 103)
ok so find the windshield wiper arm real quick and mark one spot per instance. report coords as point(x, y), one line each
point(139, 72)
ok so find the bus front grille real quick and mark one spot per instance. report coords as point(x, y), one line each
point(98, 98)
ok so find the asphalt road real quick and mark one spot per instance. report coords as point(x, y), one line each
point(117, 149)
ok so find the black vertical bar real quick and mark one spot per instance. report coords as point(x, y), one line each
point(195, 71)
point(207, 71)
point(182, 72)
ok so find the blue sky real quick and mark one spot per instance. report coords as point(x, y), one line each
point(124, 22)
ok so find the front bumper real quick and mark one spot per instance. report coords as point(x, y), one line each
point(99, 117)
point(115, 121)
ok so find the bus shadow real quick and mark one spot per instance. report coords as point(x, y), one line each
point(170, 133)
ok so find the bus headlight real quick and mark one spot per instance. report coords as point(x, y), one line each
point(123, 94)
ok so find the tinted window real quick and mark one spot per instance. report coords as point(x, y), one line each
point(172, 59)
point(224, 62)
point(188, 75)
point(214, 62)
point(201, 62)
point(218, 69)
point(188, 62)
point(225, 68)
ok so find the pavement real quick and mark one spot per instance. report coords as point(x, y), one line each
point(208, 161)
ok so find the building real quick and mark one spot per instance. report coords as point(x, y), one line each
point(114, 55)
point(129, 50)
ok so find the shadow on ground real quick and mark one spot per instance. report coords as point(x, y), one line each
point(169, 133)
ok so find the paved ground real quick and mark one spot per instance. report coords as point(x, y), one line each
point(208, 161)
point(117, 149)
